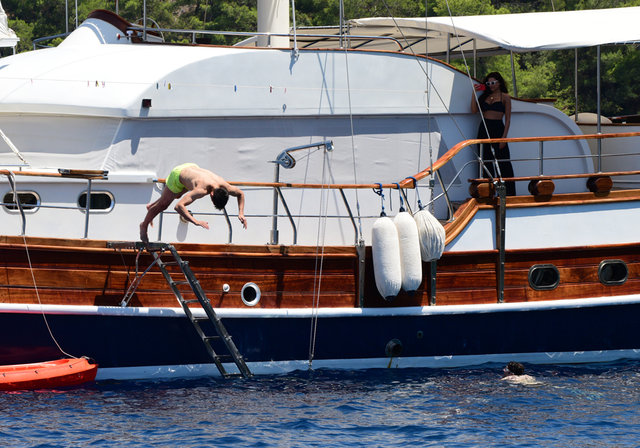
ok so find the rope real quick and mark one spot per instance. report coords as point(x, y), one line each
point(319, 264)
point(400, 196)
point(415, 186)
point(484, 123)
point(33, 277)
point(453, 118)
point(353, 144)
point(380, 193)
point(136, 280)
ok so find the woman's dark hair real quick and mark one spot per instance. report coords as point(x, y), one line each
point(516, 368)
point(220, 198)
point(498, 77)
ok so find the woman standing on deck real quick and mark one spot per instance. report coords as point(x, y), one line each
point(495, 103)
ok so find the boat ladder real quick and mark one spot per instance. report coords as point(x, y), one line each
point(157, 250)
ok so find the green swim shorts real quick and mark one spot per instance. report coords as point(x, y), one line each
point(173, 180)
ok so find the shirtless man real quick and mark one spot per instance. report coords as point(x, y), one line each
point(196, 182)
point(514, 373)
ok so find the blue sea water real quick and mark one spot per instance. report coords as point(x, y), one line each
point(586, 406)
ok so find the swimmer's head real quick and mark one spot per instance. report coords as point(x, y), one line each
point(220, 197)
point(514, 368)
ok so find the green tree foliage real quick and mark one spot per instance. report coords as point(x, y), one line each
point(541, 74)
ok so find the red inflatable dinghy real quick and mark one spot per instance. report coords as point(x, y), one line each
point(47, 375)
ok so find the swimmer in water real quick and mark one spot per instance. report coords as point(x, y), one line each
point(514, 373)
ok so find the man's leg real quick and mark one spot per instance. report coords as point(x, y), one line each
point(155, 208)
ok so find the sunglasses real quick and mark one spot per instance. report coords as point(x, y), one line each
point(491, 83)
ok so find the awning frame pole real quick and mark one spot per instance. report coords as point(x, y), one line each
point(475, 59)
point(513, 75)
point(598, 129)
point(575, 83)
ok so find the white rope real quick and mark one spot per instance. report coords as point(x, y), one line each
point(484, 123)
point(353, 144)
point(13, 147)
point(317, 278)
point(12, 180)
point(424, 69)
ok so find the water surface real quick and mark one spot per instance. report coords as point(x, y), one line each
point(591, 405)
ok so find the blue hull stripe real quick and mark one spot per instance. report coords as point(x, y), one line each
point(124, 340)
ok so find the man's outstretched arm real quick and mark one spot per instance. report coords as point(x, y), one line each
point(187, 199)
point(239, 194)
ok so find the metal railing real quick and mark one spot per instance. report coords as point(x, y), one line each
point(285, 158)
point(37, 43)
point(435, 169)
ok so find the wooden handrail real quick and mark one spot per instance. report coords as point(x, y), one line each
point(559, 176)
point(314, 186)
point(78, 174)
point(407, 182)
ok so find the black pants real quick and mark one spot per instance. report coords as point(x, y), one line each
point(496, 129)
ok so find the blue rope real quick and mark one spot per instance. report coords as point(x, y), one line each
point(415, 184)
point(400, 195)
point(379, 192)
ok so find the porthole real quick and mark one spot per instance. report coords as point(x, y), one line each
point(613, 272)
point(100, 200)
point(544, 277)
point(250, 294)
point(30, 201)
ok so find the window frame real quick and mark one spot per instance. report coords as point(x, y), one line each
point(96, 210)
point(605, 263)
point(546, 287)
point(27, 208)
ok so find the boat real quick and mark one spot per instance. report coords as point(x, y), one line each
point(323, 141)
point(48, 375)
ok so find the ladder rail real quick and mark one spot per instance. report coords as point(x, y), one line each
point(189, 314)
point(212, 317)
point(211, 314)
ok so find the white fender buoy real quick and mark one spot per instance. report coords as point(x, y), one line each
point(410, 261)
point(385, 249)
point(432, 235)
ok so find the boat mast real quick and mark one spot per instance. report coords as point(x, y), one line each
point(273, 17)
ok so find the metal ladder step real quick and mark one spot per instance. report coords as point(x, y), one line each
point(222, 334)
point(179, 282)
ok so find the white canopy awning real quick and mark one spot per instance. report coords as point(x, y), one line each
point(493, 33)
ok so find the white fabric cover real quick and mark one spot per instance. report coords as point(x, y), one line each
point(410, 261)
point(385, 249)
point(513, 32)
point(432, 235)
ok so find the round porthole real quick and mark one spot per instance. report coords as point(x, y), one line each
point(250, 294)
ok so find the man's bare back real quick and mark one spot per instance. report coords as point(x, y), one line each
point(189, 182)
point(194, 177)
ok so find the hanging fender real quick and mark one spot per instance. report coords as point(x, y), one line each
point(385, 249)
point(410, 261)
point(432, 235)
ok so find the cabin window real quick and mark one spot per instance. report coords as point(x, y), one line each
point(100, 200)
point(30, 200)
point(544, 276)
point(613, 272)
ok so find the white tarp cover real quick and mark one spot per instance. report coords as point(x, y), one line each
point(515, 32)
point(8, 37)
